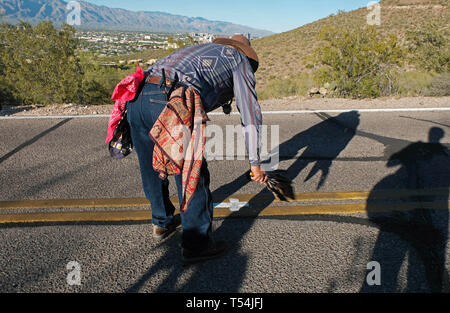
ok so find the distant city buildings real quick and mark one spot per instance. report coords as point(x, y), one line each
point(117, 43)
point(110, 44)
point(201, 38)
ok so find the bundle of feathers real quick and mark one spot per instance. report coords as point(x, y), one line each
point(280, 186)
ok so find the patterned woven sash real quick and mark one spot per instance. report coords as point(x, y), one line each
point(179, 135)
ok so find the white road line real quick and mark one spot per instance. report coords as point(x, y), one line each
point(237, 113)
point(358, 110)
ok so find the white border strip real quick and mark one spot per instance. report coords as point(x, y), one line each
point(358, 110)
point(237, 113)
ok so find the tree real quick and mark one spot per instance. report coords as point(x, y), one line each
point(40, 63)
point(6, 94)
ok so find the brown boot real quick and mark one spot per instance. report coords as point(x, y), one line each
point(160, 233)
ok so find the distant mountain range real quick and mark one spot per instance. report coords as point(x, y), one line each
point(95, 17)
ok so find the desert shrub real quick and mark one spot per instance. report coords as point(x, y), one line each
point(429, 48)
point(359, 61)
point(440, 86)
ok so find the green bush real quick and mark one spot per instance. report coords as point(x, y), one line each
point(39, 63)
point(429, 48)
point(98, 82)
point(359, 62)
point(6, 96)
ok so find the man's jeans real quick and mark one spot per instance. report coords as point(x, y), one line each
point(197, 220)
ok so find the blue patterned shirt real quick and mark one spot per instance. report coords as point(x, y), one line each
point(218, 73)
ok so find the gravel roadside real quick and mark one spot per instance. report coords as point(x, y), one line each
point(289, 103)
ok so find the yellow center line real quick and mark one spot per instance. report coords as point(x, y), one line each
point(74, 203)
point(146, 215)
point(252, 211)
point(142, 202)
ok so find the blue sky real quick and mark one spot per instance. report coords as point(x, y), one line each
point(274, 15)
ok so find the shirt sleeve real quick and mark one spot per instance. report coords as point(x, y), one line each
point(247, 103)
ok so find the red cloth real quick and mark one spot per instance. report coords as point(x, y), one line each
point(125, 91)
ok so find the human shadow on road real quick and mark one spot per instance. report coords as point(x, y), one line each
point(323, 143)
point(417, 235)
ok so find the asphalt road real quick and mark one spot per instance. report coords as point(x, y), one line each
point(45, 159)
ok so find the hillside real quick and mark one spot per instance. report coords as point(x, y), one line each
point(95, 17)
point(287, 53)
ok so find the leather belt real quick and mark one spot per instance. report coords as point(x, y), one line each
point(157, 80)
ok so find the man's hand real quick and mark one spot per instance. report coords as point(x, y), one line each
point(258, 176)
